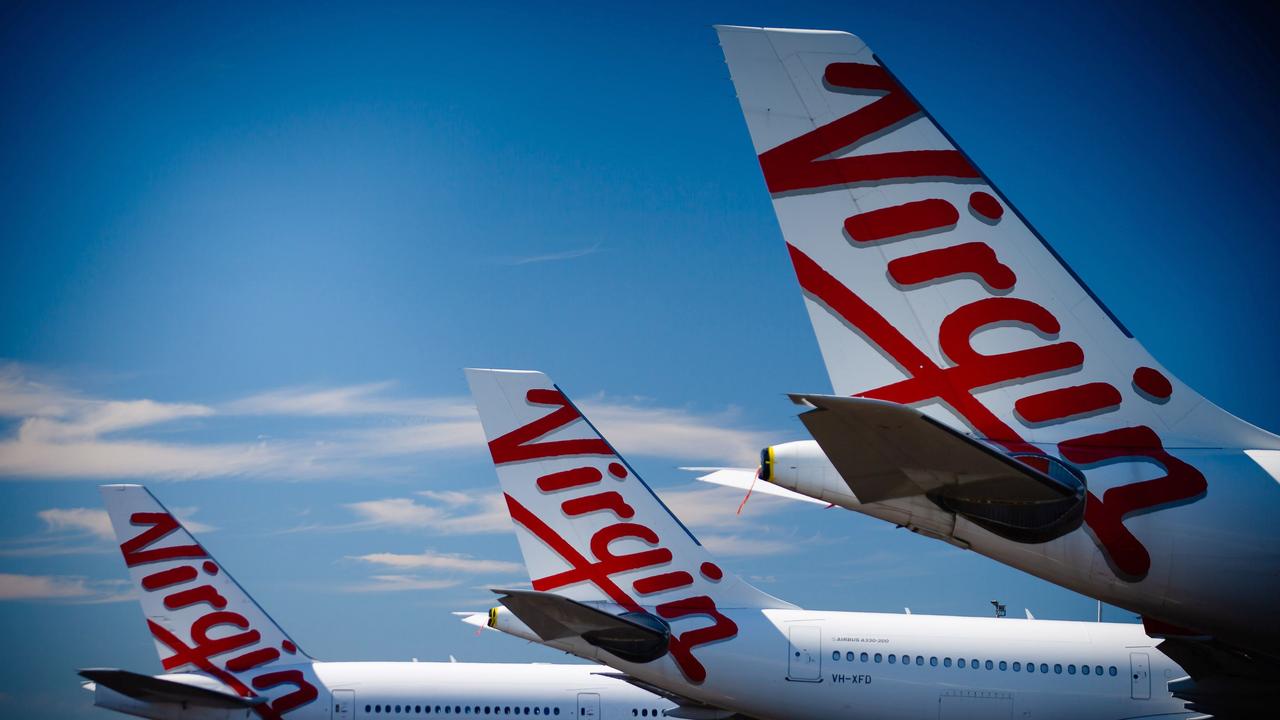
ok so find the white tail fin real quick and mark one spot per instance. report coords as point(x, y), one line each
point(589, 528)
point(200, 618)
point(923, 284)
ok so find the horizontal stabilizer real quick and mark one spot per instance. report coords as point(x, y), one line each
point(746, 479)
point(159, 690)
point(634, 636)
point(885, 451)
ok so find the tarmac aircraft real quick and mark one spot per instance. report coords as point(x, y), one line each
point(225, 658)
point(617, 578)
point(983, 395)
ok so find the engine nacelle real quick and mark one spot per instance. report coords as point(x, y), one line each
point(802, 467)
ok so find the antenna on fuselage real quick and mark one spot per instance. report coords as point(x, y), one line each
point(1000, 608)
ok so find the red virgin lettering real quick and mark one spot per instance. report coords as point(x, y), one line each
point(1067, 403)
point(303, 694)
point(166, 578)
point(519, 443)
point(804, 162)
point(662, 583)
point(203, 594)
point(599, 502)
point(900, 221)
point(970, 259)
point(162, 524)
point(1105, 516)
point(566, 479)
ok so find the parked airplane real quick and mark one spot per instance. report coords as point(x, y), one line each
point(984, 395)
point(617, 578)
point(225, 658)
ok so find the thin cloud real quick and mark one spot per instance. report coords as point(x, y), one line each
point(87, 520)
point(400, 583)
point(78, 531)
point(480, 513)
point(550, 257)
point(370, 430)
point(430, 560)
point(747, 546)
point(365, 399)
point(66, 588)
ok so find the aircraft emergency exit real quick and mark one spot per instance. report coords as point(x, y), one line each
point(225, 658)
point(983, 394)
point(616, 577)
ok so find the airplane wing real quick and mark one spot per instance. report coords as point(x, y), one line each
point(633, 636)
point(159, 690)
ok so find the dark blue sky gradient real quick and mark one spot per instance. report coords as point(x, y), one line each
point(200, 203)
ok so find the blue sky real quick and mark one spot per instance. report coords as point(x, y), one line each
point(244, 255)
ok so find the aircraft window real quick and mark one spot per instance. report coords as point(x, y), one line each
point(537, 711)
point(892, 658)
point(368, 708)
point(835, 655)
point(946, 662)
point(417, 708)
point(1017, 666)
point(1004, 666)
point(878, 657)
point(397, 708)
point(635, 712)
point(1044, 667)
point(1071, 669)
point(960, 663)
point(989, 665)
point(864, 657)
point(1112, 671)
point(1097, 670)
point(933, 662)
point(849, 656)
point(1084, 669)
point(446, 708)
point(1057, 668)
point(974, 663)
point(919, 660)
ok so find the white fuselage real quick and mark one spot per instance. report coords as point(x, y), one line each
point(400, 690)
point(1222, 551)
point(798, 664)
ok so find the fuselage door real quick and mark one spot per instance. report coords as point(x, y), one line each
point(1140, 675)
point(588, 705)
point(344, 704)
point(804, 656)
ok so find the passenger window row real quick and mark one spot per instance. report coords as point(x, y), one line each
point(460, 709)
point(976, 664)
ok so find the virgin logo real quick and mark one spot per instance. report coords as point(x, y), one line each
point(803, 164)
point(223, 643)
point(583, 495)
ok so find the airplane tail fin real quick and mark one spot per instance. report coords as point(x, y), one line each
point(200, 618)
point(589, 527)
point(923, 284)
